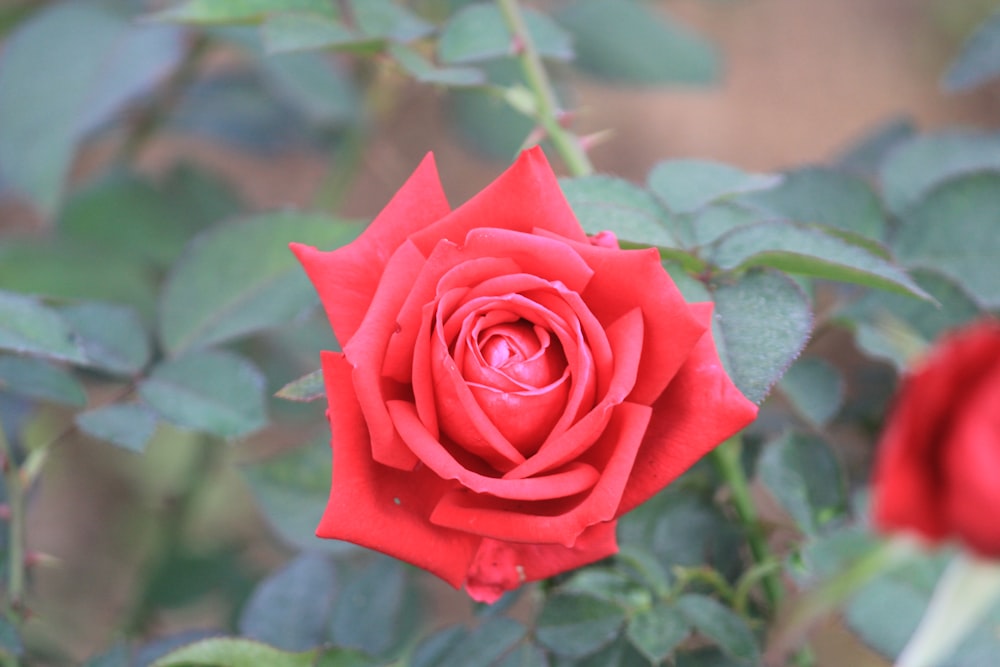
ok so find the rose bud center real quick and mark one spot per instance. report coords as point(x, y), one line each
point(518, 374)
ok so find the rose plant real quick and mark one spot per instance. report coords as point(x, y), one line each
point(592, 400)
point(508, 387)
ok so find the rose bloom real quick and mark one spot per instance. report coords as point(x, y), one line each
point(938, 469)
point(508, 387)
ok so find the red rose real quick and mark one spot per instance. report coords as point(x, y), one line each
point(507, 388)
point(938, 470)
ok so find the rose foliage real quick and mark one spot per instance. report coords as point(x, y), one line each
point(508, 387)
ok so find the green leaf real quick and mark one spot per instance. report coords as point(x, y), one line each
point(95, 62)
point(629, 42)
point(979, 60)
point(918, 166)
point(124, 214)
point(434, 647)
point(239, 278)
point(478, 32)
point(290, 609)
point(116, 656)
point(682, 528)
point(822, 557)
point(63, 268)
point(809, 251)
point(815, 390)
point(866, 155)
point(34, 378)
point(686, 186)
point(962, 599)
point(577, 625)
point(128, 425)
point(208, 390)
point(874, 317)
point(954, 232)
point(301, 32)
point(485, 120)
point(238, 11)
point(29, 327)
point(605, 203)
point(609, 584)
point(886, 612)
point(387, 20)
point(307, 388)
point(657, 631)
point(720, 624)
point(707, 657)
point(424, 71)
point(804, 476)
point(345, 657)
point(619, 653)
point(525, 655)
point(487, 645)
point(112, 337)
point(233, 652)
point(314, 85)
point(292, 490)
point(825, 196)
point(372, 609)
point(11, 645)
point(762, 323)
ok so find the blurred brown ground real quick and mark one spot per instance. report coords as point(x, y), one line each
point(803, 79)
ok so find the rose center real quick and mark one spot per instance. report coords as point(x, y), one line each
point(526, 354)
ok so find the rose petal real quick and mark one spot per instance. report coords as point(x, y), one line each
point(557, 521)
point(502, 566)
point(700, 408)
point(366, 351)
point(379, 507)
point(625, 338)
point(906, 479)
point(571, 480)
point(972, 468)
point(346, 278)
point(626, 279)
point(448, 265)
point(524, 197)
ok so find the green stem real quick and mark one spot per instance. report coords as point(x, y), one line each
point(15, 529)
point(547, 106)
point(816, 604)
point(727, 460)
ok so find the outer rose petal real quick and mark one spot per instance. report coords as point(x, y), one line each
point(700, 408)
point(971, 460)
point(346, 278)
point(502, 566)
point(524, 197)
point(380, 507)
point(671, 328)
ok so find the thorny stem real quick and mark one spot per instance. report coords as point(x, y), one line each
point(547, 106)
point(727, 460)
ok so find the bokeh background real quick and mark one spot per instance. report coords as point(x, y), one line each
point(803, 79)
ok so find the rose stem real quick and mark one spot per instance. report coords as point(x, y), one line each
point(547, 106)
point(726, 458)
point(15, 554)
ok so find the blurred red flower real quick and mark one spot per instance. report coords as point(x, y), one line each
point(938, 469)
